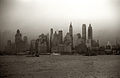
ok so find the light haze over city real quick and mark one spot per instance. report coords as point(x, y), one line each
point(34, 17)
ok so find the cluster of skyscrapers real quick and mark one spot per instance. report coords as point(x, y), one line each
point(20, 45)
point(55, 42)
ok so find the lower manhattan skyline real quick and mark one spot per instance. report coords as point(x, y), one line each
point(38, 16)
point(59, 38)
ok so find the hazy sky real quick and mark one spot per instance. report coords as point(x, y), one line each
point(34, 17)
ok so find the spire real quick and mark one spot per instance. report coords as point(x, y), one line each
point(18, 31)
point(70, 28)
point(70, 24)
point(71, 34)
point(51, 30)
point(55, 34)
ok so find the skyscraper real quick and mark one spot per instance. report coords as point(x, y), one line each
point(60, 37)
point(84, 32)
point(18, 41)
point(67, 43)
point(42, 44)
point(51, 37)
point(25, 42)
point(55, 39)
point(21, 45)
point(90, 34)
point(18, 37)
point(71, 34)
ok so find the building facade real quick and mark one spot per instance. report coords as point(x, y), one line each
point(84, 32)
point(42, 44)
point(90, 32)
point(71, 34)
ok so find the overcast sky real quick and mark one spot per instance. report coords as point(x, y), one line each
point(34, 17)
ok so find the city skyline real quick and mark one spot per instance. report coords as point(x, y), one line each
point(10, 35)
point(33, 17)
point(54, 43)
point(59, 38)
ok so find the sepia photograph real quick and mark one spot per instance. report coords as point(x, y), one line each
point(59, 38)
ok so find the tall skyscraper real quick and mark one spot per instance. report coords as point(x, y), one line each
point(18, 41)
point(51, 38)
point(55, 39)
point(60, 37)
point(71, 34)
point(84, 32)
point(18, 37)
point(25, 42)
point(90, 33)
point(42, 44)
